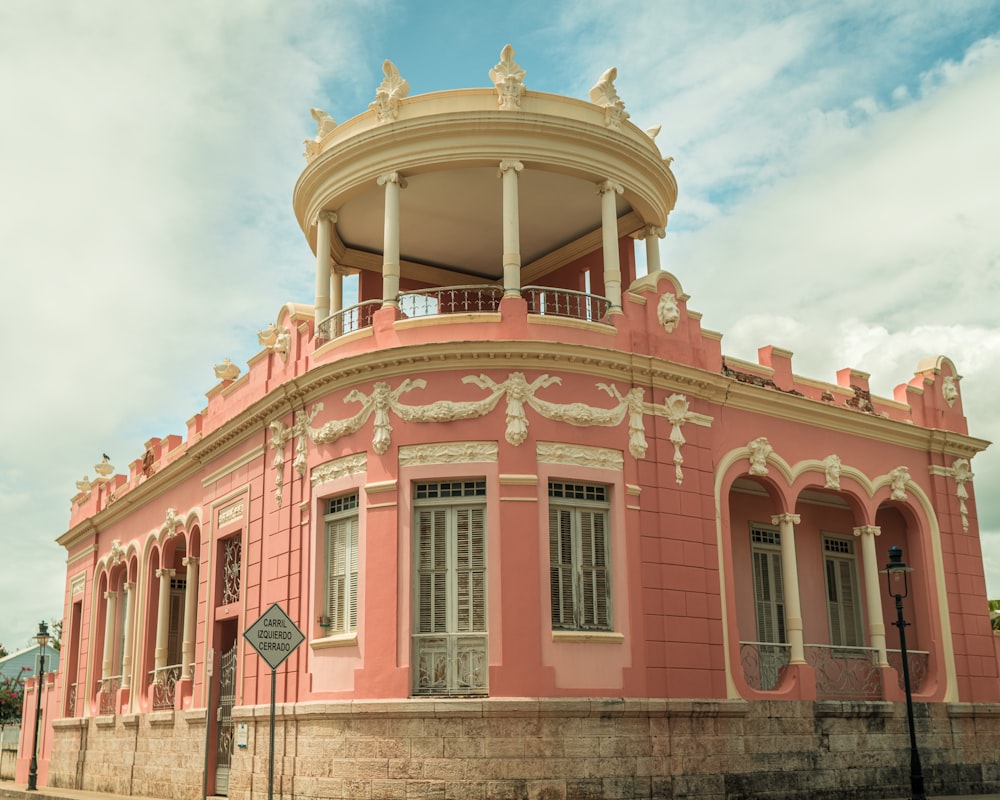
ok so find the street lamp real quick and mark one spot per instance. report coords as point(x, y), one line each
point(42, 637)
point(896, 573)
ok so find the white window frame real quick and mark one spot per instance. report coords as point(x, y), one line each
point(580, 582)
point(450, 643)
point(768, 584)
point(840, 564)
point(341, 526)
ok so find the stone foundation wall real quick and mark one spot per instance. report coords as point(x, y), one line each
point(550, 750)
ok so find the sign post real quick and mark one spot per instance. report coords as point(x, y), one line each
point(275, 637)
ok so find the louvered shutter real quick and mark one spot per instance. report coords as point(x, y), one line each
point(593, 570)
point(561, 566)
point(352, 564)
point(342, 574)
point(768, 596)
point(470, 570)
point(842, 597)
point(432, 610)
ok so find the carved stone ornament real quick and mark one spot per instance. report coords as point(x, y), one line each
point(387, 96)
point(448, 453)
point(77, 584)
point(676, 410)
point(231, 513)
point(653, 132)
point(760, 448)
point(355, 464)
point(276, 339)
point(832, 466)
point(898, 478)
point(668, 312)
point(324, 124)
point(117, 552)
point(227, 370)
point(604, 95)
point(280, 435)
point(84, 486)
point(579, 455)
point(508, 78)
point(104, 469)
point(949, 390)
point(961, 472)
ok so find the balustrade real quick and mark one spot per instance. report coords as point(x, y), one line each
point(164, 683)
point(845, 672)
point(108, 693)
point(450, 300)
point(348, 320)
point(547, 301)
point(917, 660)
point(762, 663)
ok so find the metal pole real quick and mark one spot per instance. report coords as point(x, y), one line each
point(208, 735)
point(916, 773)
point(270, 763)
point(33, 765)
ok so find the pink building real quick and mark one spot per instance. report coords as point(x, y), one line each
point(542, 538)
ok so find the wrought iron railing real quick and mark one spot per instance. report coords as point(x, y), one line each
point(348, 320)
point(450, 300)
point(763, 663)
point(164, 683)
point(845, 673)
point(547, 301)
point(917, 660)
point(108, 692)
point(71, 701)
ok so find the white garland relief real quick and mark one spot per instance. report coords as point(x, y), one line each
point(448, 453)
point(339, 468)
point(677, 411)
point(961, 472)
point(579, 455)
point(519, 394)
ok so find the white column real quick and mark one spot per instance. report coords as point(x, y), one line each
point(324, 223)
point(652, 237)
point(609, 231)
point(190, 617)
point(393, 182)
point(511, 228)
point(873, 590)
point(109, 634)
point(128, 626)
point(162, 618)
point(337, 290)
point(790, 581)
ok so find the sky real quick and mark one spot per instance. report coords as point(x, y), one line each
point(837, 162)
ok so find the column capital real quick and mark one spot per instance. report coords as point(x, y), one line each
point(871, 530)
point(788, 519)
point(391, 177)
point(189, 561)
point(165, 573)
point(325, 216)
point(509, 164)
point(128, 587)
point(609, 185)
point(110, 595)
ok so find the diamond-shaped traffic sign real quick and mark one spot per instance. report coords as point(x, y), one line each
point(274, 636)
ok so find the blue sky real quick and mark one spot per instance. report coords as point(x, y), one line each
point(837, 165)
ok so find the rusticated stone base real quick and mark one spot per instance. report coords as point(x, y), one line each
point(549, 750)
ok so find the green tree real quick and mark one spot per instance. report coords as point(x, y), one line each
point(3, 651)
point(995, 614)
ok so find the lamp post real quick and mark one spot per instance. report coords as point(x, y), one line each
point(896, 573)
point(42, 637)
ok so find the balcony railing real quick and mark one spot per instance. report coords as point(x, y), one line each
point(547, 301)
point(71, 701)
point(763, 663)
point(917, 660)
point(438, 301)
point(348, 320)
point(108, 688)
point(450, 300)
point(164, 683)
point(845, 672)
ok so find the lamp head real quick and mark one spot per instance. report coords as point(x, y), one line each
point(42, 637)
point(896, 573)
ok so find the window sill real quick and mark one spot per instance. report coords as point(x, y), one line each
point(336, 640)
point(593, 637)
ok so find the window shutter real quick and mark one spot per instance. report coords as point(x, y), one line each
point(768, 596)
point(470, 570)
point(352, 592)
point(431, 571)
point(593, 570)
point(561, 567)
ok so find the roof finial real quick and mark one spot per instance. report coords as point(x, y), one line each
point(508, 77)
point(604, 95)
point(387, 96)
